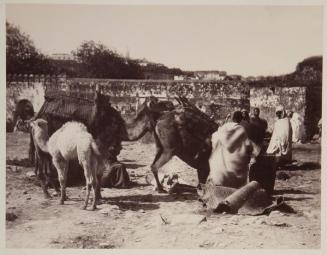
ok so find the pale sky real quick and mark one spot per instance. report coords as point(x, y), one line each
point(246, 40)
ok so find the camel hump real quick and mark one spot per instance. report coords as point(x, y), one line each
point(75, 126)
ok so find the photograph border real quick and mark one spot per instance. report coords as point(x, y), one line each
point(323, 217)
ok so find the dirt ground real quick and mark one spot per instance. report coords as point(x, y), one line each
point(132, 218)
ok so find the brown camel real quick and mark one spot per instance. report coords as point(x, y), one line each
point(185, 133)
point(146, 118)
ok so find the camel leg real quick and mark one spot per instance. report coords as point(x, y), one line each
point(98, 164)
point(42, 178)
point(88, 189)
point(42, 171)
point(163, 158)
point(97, 193)
point(85, 161)
point(45, 187)
point(94, 188)
point(98, 187)
point(50, 179)
point(61, 166)
point(155, 172)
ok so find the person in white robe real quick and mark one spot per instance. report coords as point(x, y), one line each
point(281, 139)
point(297, 128)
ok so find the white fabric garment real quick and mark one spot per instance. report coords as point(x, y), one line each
point(297, 128)
point(281, 139)
point(232, 151)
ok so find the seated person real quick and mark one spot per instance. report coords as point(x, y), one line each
point(115, 175)
point(232, 151)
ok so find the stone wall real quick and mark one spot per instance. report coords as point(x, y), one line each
point(16, 91)
point(304, 100)
point(30, 87)
point(313, 110)
point(126, 95)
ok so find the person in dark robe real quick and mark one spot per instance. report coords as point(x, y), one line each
point(115, 175)
point(245, 122)
point(259, 125)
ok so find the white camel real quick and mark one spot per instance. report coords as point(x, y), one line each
point(71, 141)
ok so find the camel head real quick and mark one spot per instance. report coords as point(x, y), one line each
point(39, 128)
point(39, 123)
point(155, 108)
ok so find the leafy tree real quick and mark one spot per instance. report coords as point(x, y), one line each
point(314, 63)
point(98, 61)
point(21, 54)
point(69, 67)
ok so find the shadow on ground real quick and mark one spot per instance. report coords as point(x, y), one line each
point(306, 166)
point(148, 198)
point(133, 166)
point(292, 191)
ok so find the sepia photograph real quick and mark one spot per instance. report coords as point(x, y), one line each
point(163, 125)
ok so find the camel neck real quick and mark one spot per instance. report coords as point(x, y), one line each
point(137, 127)
point(41, 139)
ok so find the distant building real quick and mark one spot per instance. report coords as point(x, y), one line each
point(179, 77)
point(62, 56)
point(210, 75)
point(186, 77)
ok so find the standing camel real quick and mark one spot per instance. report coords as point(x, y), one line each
point(71, 141)
point(185, 133)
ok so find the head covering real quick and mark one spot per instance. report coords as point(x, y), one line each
point(279, 108)
point(289, 113)
point(237, 116)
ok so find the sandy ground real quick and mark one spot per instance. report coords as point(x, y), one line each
point(131, 218)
